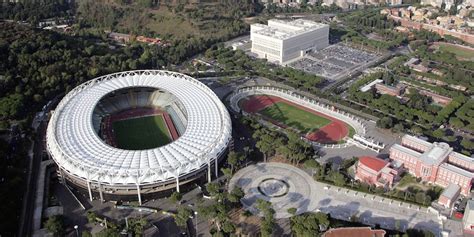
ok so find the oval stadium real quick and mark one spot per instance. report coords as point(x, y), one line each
point(138, 133)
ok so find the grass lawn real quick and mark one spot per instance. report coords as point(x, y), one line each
point(459, 52)
point(294, 117)
point(141, 133)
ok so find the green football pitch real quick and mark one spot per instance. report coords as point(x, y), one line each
point(141, 133)
point(294, 117)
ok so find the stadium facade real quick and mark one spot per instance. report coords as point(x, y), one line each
point(87, 161)
point(281, 41)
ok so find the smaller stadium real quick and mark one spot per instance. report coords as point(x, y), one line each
point(317, 123)
point(314, 125)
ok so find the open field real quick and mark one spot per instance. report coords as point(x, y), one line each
point(458, 51)
point(314, 125)
point(141, 133)
point(294, 117)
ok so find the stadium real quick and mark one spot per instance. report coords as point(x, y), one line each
point(318, 123)
point(134, 134)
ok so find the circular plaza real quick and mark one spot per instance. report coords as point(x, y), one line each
point(285, 186)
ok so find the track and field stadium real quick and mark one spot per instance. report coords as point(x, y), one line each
point(138, 133)
point(316, 122)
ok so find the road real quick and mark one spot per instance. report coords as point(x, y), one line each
point(35, 156)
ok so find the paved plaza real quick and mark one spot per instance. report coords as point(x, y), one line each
point(286, 186)
point(283, 185)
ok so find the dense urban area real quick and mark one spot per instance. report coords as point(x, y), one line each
point(236, 118)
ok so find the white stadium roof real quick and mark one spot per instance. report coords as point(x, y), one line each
point(76, 147)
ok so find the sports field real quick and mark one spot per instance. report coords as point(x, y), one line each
point(141, 133)
point(294, 117)
point(458, 51)
point(314, 125)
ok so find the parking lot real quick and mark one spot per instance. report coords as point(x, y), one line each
point(335, 61)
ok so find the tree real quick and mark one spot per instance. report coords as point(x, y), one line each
point(267, 141)
point(438, 133)
point(182, 216)
point(311, 164)
point(137, 225)
point(292, 210)
point(235, 195)
point(86, 234)
point(55, 225)
point(213, 189)
point(176, 197)
point(385, 122)
point(337, 178)
point(234, 159)
point(268, 222)
point(109, 232)
point(227, 173)
point(308, 224)
point(91, 216)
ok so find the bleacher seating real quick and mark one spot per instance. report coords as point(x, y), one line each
point(144, 97)
point(178, 123)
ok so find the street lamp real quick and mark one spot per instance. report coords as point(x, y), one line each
point(76, 227)
point(196, 228)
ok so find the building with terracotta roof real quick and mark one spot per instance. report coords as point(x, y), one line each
point(435, 163)
point(375, 171)
point(439, 99)
point(354, 232)
point(390, 90)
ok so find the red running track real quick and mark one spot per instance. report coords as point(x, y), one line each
point(331, 133)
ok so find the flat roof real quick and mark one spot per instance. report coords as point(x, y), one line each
point(436, 153)
point(369, 85)
point(457, 170)
point(281, 29)
point(452, 191)
point(417, 140)
point(462, 157)
point(406, 150)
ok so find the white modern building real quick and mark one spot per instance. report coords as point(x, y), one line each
point(281, 41)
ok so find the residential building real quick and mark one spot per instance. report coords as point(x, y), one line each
point(281, 41)
point(375, 171)
point(435, 163)
point(354, 232)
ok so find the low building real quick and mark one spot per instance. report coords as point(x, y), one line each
point(435, 163)
point(390, 90)
point(354, 232)
point(143, 39)
point(468, 219)
point(370, 85)
point(119, 37)
point(449, 195)
point(281, 41)
point(438, 99)
point(375, 171)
